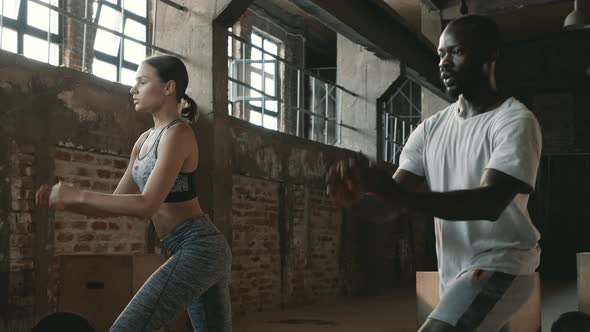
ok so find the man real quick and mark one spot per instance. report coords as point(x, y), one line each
point(479, 159)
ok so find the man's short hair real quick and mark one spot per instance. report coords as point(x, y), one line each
point(573, 321)
point(63, 322)
point(485, 30)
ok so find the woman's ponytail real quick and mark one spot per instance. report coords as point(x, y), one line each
point(189, 111)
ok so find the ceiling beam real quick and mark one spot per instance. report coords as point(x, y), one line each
point(486, 7)
point(432, 4)
point(376, 26)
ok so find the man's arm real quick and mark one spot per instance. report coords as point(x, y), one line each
point(486, 202)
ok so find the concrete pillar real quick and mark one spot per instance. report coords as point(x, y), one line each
point(199, 36)
point(360, 71)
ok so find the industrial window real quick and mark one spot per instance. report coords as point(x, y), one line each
point(254, 80)
point(113, 60)
point(402, 112)
point(31, 29)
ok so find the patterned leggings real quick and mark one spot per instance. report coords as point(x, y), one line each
point(195, 277)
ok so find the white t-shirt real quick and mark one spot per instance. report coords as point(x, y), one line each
point(452, 152)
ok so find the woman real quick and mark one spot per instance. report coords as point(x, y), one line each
point(159, 184)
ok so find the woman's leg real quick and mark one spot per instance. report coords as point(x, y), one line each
point(211, 312)
point(188, 274)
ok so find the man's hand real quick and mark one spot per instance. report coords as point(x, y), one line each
point(344, 181)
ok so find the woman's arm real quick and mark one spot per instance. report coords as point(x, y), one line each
point(173, 150)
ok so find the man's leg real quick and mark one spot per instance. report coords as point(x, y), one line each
point(480, 301)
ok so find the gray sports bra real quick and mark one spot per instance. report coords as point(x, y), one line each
point(184, 189)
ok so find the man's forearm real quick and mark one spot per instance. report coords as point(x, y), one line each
point(483, 203)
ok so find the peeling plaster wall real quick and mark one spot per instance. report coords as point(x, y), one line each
point(291, 246)
point(57, 122)
point(361, 71)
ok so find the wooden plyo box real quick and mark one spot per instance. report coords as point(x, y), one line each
point(98, 287)
point(527, 319)
point(583, 262)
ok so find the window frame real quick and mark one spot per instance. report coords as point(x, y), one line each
point(119, 60)
point(390, 147)
point(237, 93)
point(22, 28)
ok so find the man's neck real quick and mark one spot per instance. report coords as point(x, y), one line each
point(484, 101)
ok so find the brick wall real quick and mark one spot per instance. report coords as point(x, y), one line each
point(57, 122)
point(285, 245)
point(21, 238)
point(324, 240)
point(286, 234)
point(256, 270)
point(78, 234)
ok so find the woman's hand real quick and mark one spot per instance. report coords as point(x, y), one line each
point(42, 195)
point(58, 197)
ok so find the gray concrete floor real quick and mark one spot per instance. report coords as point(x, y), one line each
point(557, 297)
point(393, 312)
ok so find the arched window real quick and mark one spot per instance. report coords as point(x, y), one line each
point(401, 110)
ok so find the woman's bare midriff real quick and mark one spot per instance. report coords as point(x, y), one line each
point(171, 215)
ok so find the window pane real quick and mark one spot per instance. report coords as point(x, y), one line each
point(271, 47)
point(255, 118)
point(255, 54)
point(230, 41)
point(106, 42)
point(269, 86)
point(269, 68)
point(270, 122)
point(134, 52)
point(256, 40)
point(105, 70)
point(256, 104)
point(127, 77)
point(36, 48)
point(114, 2)
point(135, 29)
point(255, 95)
point(110, 18)
point(138, 7)
point(38, 16)
point(271, 106)
point(11, 8)
point(9, 40)
point(256, 80)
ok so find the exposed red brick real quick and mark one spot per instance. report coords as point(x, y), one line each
point(120, 164)
point(81, 247)
point(84, 157)
point(79, 224)
point(103, 173)
point(65, 237)
point(85, 237)
point(62, 155)
point(120, 247)
point(99, 225)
